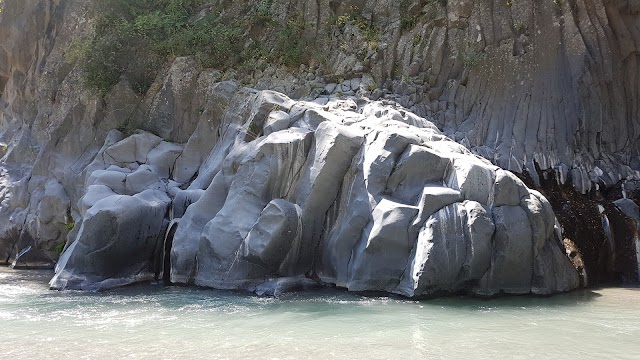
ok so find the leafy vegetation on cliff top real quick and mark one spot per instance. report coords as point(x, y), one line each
point(134, 38)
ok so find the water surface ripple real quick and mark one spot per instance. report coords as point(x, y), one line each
point(156, 322)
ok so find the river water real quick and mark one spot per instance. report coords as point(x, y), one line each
point(156, 322)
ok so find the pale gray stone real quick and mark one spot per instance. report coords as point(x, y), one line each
point(116, 245)
point(382, 253)
point(270, 238)
point(629, 208)
point(512, 259)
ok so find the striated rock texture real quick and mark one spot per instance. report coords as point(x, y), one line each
point(368, 197)
point(548, 89)
point(124, 214)
point(363, 195)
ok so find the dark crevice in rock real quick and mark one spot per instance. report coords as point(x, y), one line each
point(582, 224)
point(3, 83)
point(166, 255)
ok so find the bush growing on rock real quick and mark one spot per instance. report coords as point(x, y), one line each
point(134, 39)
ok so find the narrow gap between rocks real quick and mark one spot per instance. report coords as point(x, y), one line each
point(166, 264)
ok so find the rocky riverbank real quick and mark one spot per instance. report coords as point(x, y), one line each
point(386, 142)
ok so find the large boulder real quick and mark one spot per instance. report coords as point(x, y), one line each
point(453, 251)
point(358, 196)
point(122, 216)
point(117, 243)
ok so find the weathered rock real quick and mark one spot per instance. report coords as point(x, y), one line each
point(375, 205)
point(380, 257)
point(512, 258)
point(264, 173)
point(117, 243)
point(329, 159)
point(272, 235)
point(183, 199)
point(629, 208)
point(549, 276)
point(453, 251)
point(526, 86)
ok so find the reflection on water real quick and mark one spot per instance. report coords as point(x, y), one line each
point(152, 321)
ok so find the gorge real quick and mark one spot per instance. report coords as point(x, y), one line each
point(418, 148)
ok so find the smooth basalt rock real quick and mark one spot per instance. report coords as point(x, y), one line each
point(453, 251)
point(545, 89)
point(367, 197)
point(123, 215)
point(374, 205)
point(334, 188)
point(117, 243)
point(273, 234)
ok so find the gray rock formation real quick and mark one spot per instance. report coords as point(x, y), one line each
point(123, 215)
point(549, 86)
point(361, 199)
point(117, 244)
point(365, 196)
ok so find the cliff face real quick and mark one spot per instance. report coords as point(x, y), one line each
point(548, 89)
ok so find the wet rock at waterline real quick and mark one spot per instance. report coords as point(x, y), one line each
point(519, 86)
point(364, 195)
point(117, 243)
point(123, 214)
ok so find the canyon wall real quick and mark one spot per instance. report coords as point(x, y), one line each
point(546, 89)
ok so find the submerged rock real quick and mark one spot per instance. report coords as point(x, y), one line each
point(281, 286)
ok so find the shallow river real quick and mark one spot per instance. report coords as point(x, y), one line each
point(156, 322)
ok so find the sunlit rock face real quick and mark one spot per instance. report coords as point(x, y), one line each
point(359, 194)
point(366, 196)
point(544, 88)
point(124, 214)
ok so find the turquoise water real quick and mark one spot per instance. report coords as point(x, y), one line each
point(152, 321)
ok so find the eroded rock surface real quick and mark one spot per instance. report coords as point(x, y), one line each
point(548, 88)
point(123, 215)
point(361, 199)
point(348, 193)
point(118, 243)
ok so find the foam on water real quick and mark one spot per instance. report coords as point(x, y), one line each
point(156, 322)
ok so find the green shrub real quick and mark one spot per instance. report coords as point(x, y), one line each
point(408, 20)
point(254, 131)
point(354, 16)
point(70, 225)
point(472, 58)
point(129, 128)
point(59, 248)
point(291, 46)
point(417, 38)
point(135, 37)
point(263, 12)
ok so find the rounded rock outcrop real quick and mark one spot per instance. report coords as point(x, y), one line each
point(368, 204)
